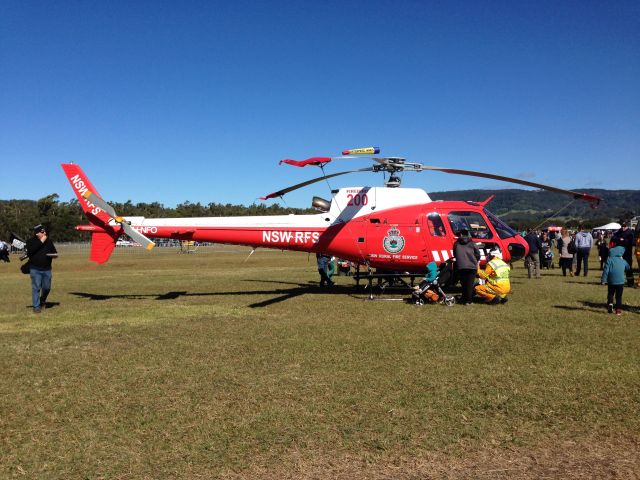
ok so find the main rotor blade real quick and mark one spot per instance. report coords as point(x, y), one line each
point(318, 161)
point(284, 191)
point(577, 195)
point(137, 236)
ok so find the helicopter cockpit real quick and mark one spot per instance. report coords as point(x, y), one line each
point(502, 229)
point(471, 221)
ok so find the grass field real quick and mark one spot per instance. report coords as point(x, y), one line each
point(209, 366)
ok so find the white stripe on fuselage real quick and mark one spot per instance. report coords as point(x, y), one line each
point(378, 199)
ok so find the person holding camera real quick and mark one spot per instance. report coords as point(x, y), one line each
point(41, 251)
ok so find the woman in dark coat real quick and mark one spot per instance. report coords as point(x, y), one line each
point(467, 256)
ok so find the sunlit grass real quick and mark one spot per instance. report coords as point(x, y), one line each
point(207, 365)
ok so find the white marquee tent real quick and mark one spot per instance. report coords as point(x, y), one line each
point(609, 226)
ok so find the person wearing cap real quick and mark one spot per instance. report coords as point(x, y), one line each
point(41, 251)
point(496, 276)
point(467, 256)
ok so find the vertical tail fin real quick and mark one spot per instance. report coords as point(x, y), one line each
point(81, 184)
point(103, 235)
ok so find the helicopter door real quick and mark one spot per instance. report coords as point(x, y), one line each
point(400, 245)
point(438, 244)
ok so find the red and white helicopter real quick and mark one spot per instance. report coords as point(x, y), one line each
point(388, 228)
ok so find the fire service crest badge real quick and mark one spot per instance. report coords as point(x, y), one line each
point(393, 242)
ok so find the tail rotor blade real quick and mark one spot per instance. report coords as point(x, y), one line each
point(137, 236)
point(99, 202)
point(128, 229)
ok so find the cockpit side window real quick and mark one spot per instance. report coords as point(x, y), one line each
point(503, 230)
point(474, 222)
point(435, 225)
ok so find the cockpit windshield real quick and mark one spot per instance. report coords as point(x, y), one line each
point(470, 221)
point(502, 229)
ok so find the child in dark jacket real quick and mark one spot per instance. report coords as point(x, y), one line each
point(614, 276)
point(603, 253)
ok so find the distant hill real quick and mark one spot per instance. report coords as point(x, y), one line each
point(526, 207)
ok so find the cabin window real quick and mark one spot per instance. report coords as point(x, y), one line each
point(474, 222)
point(436, 225)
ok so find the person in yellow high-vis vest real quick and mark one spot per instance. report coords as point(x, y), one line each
point(496, 284)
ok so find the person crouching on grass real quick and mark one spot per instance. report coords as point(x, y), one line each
point(496, 276)
point(614, 276)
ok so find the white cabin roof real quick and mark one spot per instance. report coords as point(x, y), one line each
point(353, 202)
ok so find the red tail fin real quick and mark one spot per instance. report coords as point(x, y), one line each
point(103, 236)
point(80, 184)
point(102, 244)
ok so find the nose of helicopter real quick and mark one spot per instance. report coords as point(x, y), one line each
point(518, 248)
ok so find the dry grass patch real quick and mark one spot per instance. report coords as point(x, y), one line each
point(206, 366)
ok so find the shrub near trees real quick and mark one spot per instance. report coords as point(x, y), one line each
point(19, 217)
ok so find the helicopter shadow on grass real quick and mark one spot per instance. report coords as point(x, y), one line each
point(597, 307)
point(282, 294)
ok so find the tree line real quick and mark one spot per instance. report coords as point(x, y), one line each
point(20, 216)
point(519, 208)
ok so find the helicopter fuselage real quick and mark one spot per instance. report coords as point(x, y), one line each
point(384, 228)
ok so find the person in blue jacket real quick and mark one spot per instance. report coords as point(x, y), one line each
point(323, 269)
point(614, 276)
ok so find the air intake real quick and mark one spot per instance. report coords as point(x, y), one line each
point(320, 204)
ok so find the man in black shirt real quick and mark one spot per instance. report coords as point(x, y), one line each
point(40, 250)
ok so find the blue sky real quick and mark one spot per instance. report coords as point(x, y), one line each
point(175, 101)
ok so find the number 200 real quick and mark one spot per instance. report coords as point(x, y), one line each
point(357, 200)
